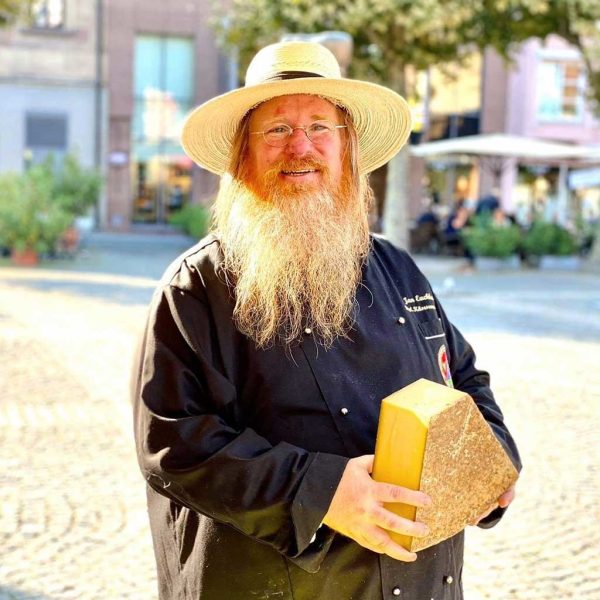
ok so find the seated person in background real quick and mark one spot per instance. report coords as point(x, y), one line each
point(425, 236)
point(457, 219)
point(489, 203)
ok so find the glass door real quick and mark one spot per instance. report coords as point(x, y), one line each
point(163, 87)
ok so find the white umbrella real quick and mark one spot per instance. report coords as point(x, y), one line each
point(494, 153)
point(500, 145)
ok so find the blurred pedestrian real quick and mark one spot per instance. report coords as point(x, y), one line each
point(425, 235)
point(489, 203)
point(457, 220)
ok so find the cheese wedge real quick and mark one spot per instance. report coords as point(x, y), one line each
point(433, 438)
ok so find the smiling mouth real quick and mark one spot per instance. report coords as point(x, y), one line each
point(298, 173)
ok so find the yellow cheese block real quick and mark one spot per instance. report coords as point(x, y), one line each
point(433, 438)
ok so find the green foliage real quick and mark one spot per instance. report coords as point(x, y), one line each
point(37, 207)
point(10, 10)
point(549, 239)
point(484, 238)
point(586, 234)
point(193, 219)
point(391, 35)
point(30, 217)
point(75, 187)
point(581, 27)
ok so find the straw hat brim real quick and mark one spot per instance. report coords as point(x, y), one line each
point(380, 116)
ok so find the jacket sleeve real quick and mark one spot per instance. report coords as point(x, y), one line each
point(193, 448)
point(467, 378)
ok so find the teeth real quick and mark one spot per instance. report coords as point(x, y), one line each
point(298, 172)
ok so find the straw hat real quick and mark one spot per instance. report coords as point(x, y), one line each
point(380, 116)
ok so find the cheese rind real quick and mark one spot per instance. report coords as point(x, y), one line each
point(406, 433)
point(433, 438)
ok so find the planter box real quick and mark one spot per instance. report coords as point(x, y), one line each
point(490, 263)
point(562, 263)
point(24, 258)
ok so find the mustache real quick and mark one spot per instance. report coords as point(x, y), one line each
point(308, 162)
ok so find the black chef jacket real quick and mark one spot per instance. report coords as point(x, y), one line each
point(242, 448)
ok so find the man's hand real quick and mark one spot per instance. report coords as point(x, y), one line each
point(357, 511)
point(502, 502)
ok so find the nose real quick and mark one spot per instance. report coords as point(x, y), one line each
point(298, 143)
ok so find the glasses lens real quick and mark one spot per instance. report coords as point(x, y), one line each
point(277, 135)
point(320, 131)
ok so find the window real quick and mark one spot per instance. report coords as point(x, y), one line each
point(163, 88)
point(163, 85)
point(48, 14)
point(561, 90)
point(45, 134)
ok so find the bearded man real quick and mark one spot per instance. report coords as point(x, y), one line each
point(270, 345)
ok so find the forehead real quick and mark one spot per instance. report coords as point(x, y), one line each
point(294, 107)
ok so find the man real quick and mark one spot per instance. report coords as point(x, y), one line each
point(270, 345)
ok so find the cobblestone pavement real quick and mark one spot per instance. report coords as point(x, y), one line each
point(72, 509)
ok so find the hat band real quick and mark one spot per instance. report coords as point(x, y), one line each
point(291, 75)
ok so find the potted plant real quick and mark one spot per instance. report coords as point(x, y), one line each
point(76, 190)
point(193, 219)
point(493, 245)
point(31, 222)
point(551, 246)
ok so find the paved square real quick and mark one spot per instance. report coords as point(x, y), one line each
point(72, 507)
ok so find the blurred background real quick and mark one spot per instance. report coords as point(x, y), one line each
point(512, 87)
point(497, 196)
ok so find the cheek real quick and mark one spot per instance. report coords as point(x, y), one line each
point(262, 157)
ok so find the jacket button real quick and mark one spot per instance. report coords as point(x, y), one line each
point(307, 330)
point(448, 579)
point(401, 320)
point(396, 591)
point(344, 411)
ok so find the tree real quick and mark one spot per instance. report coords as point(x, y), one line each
point(394, 38)
point(11, 9)
point(581, 28)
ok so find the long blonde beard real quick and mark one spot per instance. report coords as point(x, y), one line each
point(294, 257)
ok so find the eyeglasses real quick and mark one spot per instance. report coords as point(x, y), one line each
point(318, 132)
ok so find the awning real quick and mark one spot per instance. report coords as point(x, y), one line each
point(500, 145)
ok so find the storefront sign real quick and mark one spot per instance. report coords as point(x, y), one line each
point(118, 159)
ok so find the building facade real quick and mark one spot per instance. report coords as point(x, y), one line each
point(50, 87)
point(162, 61)
point(546, 98)
point(112, 81)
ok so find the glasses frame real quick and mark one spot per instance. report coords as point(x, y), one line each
point(291, 129)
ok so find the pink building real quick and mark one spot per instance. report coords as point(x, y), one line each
point(544, 97)
point(540, 95)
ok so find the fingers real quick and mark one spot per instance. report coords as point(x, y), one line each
point(507, 497)
point(392, 522)
point(386, 492)
point(379, 541)
point(357, 510)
